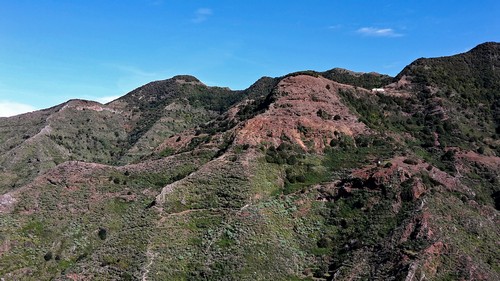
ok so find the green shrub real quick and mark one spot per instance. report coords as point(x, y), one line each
point(291, 160)
point(410, 161)
point(102, 233)
point(167, 152)
point(323, 114)
point(324, 242)
point(47, 256)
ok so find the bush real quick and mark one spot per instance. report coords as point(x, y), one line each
point(270, 159)
point(480, 150)
point(301, 178)
point(167, 152)
point(323, 243)
point(333, 143)
point(410, 161)
point(363, 141)
point(320, 271)
point(292, 160)
point(323, 114)
point(103, 233)
point(448, 156)
point(48, 256)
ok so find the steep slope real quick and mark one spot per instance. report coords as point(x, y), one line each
point(88, 218)
point(124, 131)
point(160, 109)
point(464, 89)
point(306, 110)
point(475, 71)
point(76, 130)
point(14, 132)
point(438, 120)
point(310, 176)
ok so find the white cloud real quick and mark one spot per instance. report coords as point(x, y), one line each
point(106, 99)
point(202, 15)
point(378, 32)
point(8, 108)
point(131, 70)
point(337, 26)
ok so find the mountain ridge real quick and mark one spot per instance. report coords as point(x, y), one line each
point(308, 176)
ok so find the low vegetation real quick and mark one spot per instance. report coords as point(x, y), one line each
point(160, 185)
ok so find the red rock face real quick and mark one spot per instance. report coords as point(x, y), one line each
point(492, 162)
point(404, 171)
point(308, 112)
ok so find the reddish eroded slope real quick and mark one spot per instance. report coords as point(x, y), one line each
point(419, 199)
point(492, 162)
point(403, 169)
point(308, 111)
point(436, 214)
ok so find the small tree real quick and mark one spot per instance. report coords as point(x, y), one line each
point(103, 233)
point(48, 256)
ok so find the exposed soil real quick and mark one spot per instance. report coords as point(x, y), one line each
point(308, 112)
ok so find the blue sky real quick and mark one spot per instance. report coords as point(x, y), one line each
point(52, 51)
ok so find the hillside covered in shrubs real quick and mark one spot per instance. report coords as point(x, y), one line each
point(309, 176)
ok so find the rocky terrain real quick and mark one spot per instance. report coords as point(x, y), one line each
point(331, 175)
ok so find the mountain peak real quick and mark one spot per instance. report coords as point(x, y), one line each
point(488, 46)
point(187, 79)
point(479, 65)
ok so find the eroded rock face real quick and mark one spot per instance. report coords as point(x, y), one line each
point(308, 111)
point(403, 170)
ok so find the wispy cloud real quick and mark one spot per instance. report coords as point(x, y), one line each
point(130, 70)
point(107, 99)
point(8, 108)
point(202, 15)
point(395, 64)
point(378, 32)
point(128, 77)
point(334, 27)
